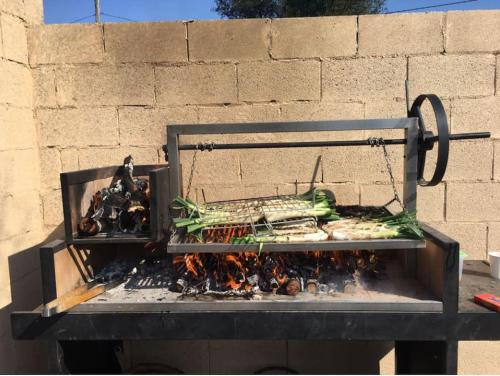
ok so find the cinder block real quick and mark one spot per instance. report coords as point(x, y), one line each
point(304, 111)
point(18, 128)
point(16, 84)
point(327, 357)
point(65, 44)
point(384, 109)
point(14, 39)
point(246, 357)
point(186, 356)
point(279, 81)
point(494, 236)
point(229, 40)
point(361, 79)
point(17, 244)
point(239, 113)
point(105, 85)
point(313, 37)
point(401, 34)
point(496, 161)
point(52, 208)
point(20, 171)
point(428, 112)
point(146, 42)
point(430, 201)
point(351, 164)
point(281, 166)
point(33, 11)
point(344, 193)
point(23, 356)
point(15, 7)
point(21, 214)
point(69, 160)
point(478, 357)
point(78, 127)
point(472, 202)
point(476, 115)
point(468, 160)
point(452, 76)
point(50, 168)
point(1, 44)
point(218, 167)
point(44, 87)
point(222, 192)
point(196, 84)
point(235, 114)
point(147, 126)
point(473, 31)
point(5, 300)
point(471, 236)
point(497, 84)
point(102, 157)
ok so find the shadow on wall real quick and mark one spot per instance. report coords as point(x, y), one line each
point(26, 294)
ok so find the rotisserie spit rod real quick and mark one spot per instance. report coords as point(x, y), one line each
point(312, 144)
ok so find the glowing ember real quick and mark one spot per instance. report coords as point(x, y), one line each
point(281, 273)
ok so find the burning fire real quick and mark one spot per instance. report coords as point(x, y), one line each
point(282, 273)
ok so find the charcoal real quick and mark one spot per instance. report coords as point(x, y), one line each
point(121, 207)
point(312, 286)
point(293, 287)
point(323, 288)
point(233, 274)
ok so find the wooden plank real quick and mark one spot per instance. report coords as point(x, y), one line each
point(75, 297)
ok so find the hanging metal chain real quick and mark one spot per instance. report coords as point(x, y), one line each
point(173, 232)
point(379, 141)
point(200, 147)
point(191, 173)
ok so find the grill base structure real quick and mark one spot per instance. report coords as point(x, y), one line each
point(425, 330)
point(424, 337)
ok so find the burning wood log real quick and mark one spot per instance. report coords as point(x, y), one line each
point(293, 287)
point(238, 274)
point(312, 286)
point(181, 284)
point(122, 207)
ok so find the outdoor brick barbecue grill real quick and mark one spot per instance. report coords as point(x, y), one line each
point(419, 302)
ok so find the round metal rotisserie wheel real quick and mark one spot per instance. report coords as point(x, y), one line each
point(426, 139)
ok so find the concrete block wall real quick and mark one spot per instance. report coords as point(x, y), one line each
point(81, 96)
point(112, 90)
point(20, 185)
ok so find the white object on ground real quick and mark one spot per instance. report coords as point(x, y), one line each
point(463, 255)
point(495, 264)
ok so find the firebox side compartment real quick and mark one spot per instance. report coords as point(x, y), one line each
point(79, 187)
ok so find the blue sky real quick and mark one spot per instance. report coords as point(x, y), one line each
point(65, 11)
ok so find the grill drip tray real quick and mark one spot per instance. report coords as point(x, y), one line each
point(395, 292)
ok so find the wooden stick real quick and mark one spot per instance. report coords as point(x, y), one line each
point(78, 295)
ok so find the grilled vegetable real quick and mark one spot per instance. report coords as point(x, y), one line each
point(303, 231)
point(402, 225)
point(316, 236)
point(314, 203)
